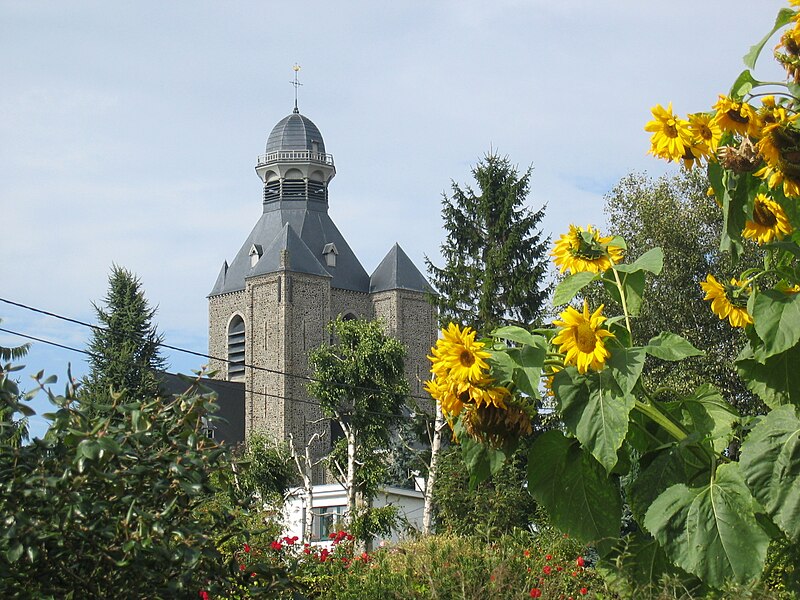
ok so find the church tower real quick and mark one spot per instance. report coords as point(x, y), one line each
point(294, 273)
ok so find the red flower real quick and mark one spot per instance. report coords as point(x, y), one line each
point(547, 570)
point(559, 568)
point(584, 591)
point(247, 547)
point(527, 553)
point(365, 557)
point(491, 577)
point(548, 557)
point(276, 546)
point(536, 593)
point(241, 567)
point(203, 594)
point(580, 562)
point(323, 556)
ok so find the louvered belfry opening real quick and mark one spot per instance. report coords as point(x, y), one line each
point(236, 355)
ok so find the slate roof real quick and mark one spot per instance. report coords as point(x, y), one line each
point(304, 229)
point(295, 132)
point(396, 271)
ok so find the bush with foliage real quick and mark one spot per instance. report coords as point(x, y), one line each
point(107, 507)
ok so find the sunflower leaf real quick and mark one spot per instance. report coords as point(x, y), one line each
point(777, 320)
point(518, 335)
point(573, 487)
point(671, 346)
point(652, 261)
point(743, 84)
point(770, 462)
point(481, 460)
point(594, 411)
point(566, 290)
point(632, 283)
point(784, 17)
point(711, 530)
point(776, 380)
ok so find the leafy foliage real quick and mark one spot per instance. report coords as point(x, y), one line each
point(494, 251)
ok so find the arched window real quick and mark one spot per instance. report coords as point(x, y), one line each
point(236, 349)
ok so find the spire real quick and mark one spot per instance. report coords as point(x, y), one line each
point(296, 85)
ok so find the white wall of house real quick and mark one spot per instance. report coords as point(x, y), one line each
point(330, 506)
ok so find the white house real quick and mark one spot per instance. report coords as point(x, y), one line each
point(330, 505)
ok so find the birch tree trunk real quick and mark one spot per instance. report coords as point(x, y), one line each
point(436, 444)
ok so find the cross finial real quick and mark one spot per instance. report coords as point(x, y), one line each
point(296, 85)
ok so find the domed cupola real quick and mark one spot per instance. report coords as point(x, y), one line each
point(295, 166)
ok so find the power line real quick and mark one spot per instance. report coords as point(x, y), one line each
point(200, 354)
point(246, 390)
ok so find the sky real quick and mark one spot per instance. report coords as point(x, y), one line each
point(129, 131)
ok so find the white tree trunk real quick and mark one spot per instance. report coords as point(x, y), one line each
point(305, 467)
point(436, 444)
point(350, 479)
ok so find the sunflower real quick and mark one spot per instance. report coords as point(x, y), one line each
point(706, 132)
point(581, 338)
point(496, 426)
point(457, 356)
point(769, 221)
point(779, 140)
point(738, 117)
point(775, 177)
point(728, 301)
point(585, 250)
point(670, 136)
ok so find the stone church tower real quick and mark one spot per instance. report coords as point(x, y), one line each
point(294, 273)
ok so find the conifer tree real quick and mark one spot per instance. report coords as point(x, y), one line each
point(495, 255)
point(125, 346)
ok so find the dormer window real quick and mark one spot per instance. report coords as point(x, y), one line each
point(315, 147)
point(330, 252)
point(255, 254)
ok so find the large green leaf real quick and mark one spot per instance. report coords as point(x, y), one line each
point(529, 361)
point(770, 461)
point(518, 335)
point(596, 414)
point(711, 530)
point(784, 17)
point(481, 460)
point(670, 346)
point(743, 84)
point(651, 261)
point(625, 366)
point(574, 488)
point(776, 381)
point(660, 470)
point(633, 286)
point(707, 412)
point(776, 316)
point(566, 290)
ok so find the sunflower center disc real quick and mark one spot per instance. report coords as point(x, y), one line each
point(467, 358)
point(585, 338)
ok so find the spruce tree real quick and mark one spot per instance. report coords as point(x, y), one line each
point(495, 255)
point(125, 345)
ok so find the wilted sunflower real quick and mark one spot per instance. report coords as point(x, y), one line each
point(728, 301)
point(769, 221)
point(738, 117)
point(670, 136)
point(497, 426)
point(585, 250)
point(458, 356)
point(581, 337)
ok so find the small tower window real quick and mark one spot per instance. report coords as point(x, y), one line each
point(255, 254)
point(330, 252)
point(236, 355)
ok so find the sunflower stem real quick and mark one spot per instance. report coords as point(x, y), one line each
point(661, 419)
point(622, 298)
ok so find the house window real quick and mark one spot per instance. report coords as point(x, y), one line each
point(236, 356)
point(326, 520)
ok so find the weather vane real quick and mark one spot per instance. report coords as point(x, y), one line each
point(296, 85)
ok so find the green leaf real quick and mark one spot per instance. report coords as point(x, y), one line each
point(566, 290)
point(770, 462)
point(651, 261)
point(632, 283)
point(776, 381)
point(711, 530)
point(711, 415)
point(776, 316)
point(518, 335)
point(670, 346)
point(637, 566)
point(596, 414)
point(625, 366)
point(784, 17)
point(529, 360)
point(481, 460)
point(574, 488)
point(660, 470)
point(743, 84)
point(14, 552)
